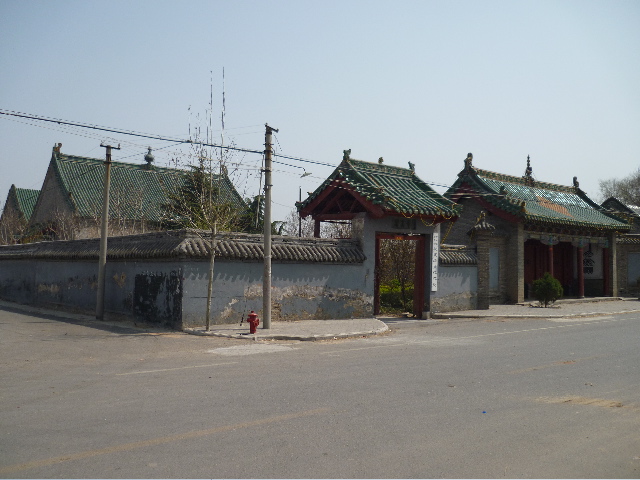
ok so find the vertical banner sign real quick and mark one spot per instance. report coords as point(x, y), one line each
point(435, 257)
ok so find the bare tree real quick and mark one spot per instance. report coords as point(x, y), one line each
point(293, 226)
point(626, 189)
point(66, 225)
point(205, 202)
point(12, 228)
point(201, 202)
point(336, 229)
point(397, 270)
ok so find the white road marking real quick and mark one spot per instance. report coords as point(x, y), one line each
point(177, 368)
point(585, 319)
point(241, 350)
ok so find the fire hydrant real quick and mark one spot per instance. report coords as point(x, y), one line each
point(253, 321)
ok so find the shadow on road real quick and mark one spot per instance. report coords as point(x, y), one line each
point(122, 327)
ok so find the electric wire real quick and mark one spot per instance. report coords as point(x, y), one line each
point(126, 132)
point(178, 141)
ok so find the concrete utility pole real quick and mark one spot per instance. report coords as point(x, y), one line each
point(102, 262)
point(266, 278)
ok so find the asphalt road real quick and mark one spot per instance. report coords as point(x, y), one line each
point(483, 398)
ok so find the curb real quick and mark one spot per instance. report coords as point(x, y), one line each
point(284, 336)
point(445, 316)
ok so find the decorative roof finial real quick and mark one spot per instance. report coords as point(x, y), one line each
point(345, 155)
point(56, 148)
point(528, 173)
point(381, 160)
point(467, 161)
point(576, 184)
point(482, 225)
point(149, 158)
point(412, 167)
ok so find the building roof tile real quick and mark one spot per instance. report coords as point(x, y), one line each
point(24, 198)
point(137, 191)
point(534, 201)
point(457, 255)
point(396, 190)
point(193, 244)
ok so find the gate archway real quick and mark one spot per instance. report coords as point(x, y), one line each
point(418, 270)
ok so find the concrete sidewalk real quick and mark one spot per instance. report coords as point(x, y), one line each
point(309, 330)
point(585, 307)
point(303, 330)
point(361, 327)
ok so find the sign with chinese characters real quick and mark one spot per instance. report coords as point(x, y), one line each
point(435, 257)
point(405, 223)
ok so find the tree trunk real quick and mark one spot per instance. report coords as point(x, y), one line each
point(212, 259)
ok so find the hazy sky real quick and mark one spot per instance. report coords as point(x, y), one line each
point(419, 81)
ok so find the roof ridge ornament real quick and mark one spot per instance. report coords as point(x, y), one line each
point(481, 225)
point(523, 207)
point(346, 155)
point(149, 158)
point(528, 173)
point(468, 162)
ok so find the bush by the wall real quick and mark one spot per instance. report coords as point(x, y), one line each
point(393, 301)
point(547, 289)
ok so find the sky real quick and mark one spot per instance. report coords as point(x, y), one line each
point(410, 81)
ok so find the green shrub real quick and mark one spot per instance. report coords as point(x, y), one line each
point(547, 289)
point(391, 298)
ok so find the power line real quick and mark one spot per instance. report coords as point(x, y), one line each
point(298, 159)
point(125, 132)
point(152, 136)
point(192, 142)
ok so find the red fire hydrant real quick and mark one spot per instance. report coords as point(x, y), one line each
point(253, 321)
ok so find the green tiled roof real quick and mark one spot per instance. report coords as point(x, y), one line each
point(615, 206)
point(26, 200)
point(394, 189)
point(536, 202)
point(137, 192)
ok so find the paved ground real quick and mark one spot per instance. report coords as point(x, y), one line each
point(309, 330)
point(481, 398)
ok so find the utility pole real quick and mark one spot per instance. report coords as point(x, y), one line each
point(102, 262)
point(266, 278)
